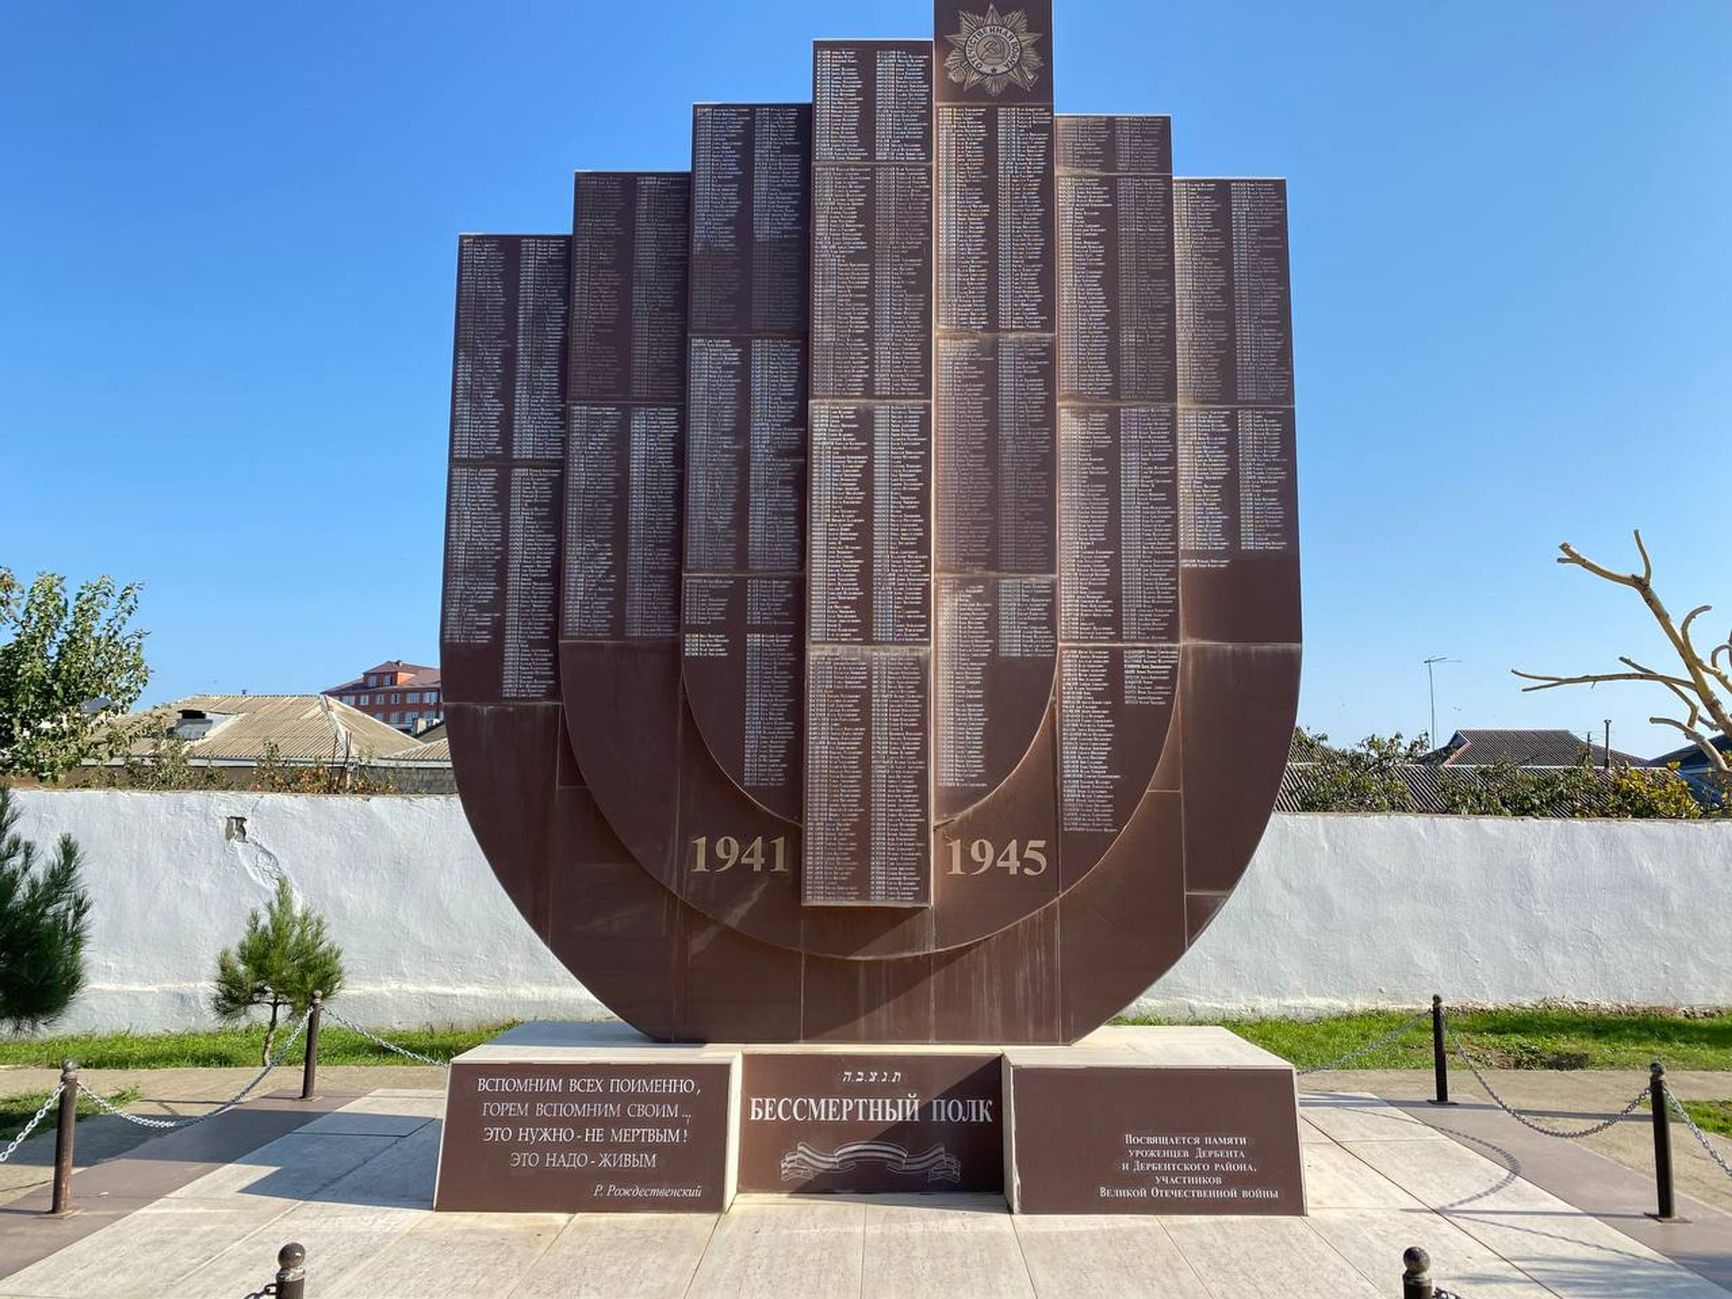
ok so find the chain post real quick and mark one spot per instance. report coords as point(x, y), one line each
point(310, 1070)
point(1416, 1274)
point(1662, 1143)
point(63, 1138)
point(1439, 1060)
point(292, 1271)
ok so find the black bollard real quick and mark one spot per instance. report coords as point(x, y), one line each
point(292, 1271)
point(310, 1070)
point(1416, 1274)
point(1439, 1061)
point(1662, 1143)
point(63, 1138)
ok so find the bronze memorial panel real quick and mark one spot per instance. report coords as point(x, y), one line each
point(871, 605)
point(878, 1121)
point(1175, 1141)
point(578, 1137)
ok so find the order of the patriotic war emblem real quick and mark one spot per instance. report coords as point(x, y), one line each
point(994, 52)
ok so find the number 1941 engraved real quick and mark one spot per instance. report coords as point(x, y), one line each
point(729, 853)
point(1018, 857)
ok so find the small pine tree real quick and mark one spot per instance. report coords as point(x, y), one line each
point(44, 923)
point(280, 962)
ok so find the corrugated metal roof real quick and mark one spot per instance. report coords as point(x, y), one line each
point(437, 753)
point(1536, 748)
point(302, 728)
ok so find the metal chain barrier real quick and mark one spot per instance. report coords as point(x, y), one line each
point(109, 1107)
point(1534, 1124)
point(379, 1041)
point(1677, 1107)
point(31, 1126)
point(1376, 1044)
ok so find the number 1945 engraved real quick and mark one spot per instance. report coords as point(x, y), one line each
point(729, 853)
point(1018, 857)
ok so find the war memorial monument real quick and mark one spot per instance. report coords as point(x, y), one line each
point(871, 643)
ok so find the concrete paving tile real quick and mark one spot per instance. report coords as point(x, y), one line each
point(1336, 1178)
point(165, 1241)
point(1449, 1176)
point(620, 1256)
point(1083, 1257)
point(339, 1240)
point(406, 1104)
point(1237, 1257)
point(967, 1246)
point(293, 1167)
point(798, 1250)
point(1373, 1240)
point(348, 1123)
point(454, 1256)
point(1581, 1258)
point(1567, 1250)
point(402, 1174)
point(1348, 1117)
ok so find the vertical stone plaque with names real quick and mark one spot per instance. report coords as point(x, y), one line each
point(507, 454)
point(1118, 472)
point(745, 525)
point(869, 619)
point(626, 394)
point(1238, 519)
point(995, 418)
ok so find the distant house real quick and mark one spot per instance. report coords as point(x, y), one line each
point(405, 695)
point(1692, 765)
point(1538, 749)
point(1320, 776)
point(235, 733)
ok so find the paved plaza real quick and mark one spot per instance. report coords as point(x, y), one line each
point(355, 1184)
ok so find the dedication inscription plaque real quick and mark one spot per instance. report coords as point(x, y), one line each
point(871, 607)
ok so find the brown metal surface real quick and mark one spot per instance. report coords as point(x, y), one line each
point(871, 1122)
point(525, 1137)
point(1155, 1141)
point(898, 637)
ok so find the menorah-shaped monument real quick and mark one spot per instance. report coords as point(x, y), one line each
point(872, 588)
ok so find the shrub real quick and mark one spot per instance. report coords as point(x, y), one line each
point(44, 923)
point(280, 962)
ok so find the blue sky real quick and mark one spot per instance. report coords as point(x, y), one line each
point(230, 234)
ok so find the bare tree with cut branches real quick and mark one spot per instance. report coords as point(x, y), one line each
point(1703, 683)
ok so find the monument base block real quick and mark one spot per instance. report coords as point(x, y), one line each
point(595, 1117)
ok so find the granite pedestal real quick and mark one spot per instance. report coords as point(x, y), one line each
point(595, 1117)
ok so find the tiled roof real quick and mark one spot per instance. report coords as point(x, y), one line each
point(302, 728)
point(1525, 749)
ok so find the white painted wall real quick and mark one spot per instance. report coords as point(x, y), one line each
point(1336, 912)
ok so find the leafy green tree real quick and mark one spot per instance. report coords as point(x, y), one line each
point(1502, 788)
point(1365, 778)
point(65, 662)
point(1650, 792)
point(280, 962)
point(44, 924)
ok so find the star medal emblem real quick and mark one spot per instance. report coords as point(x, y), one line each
point(994, 51)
